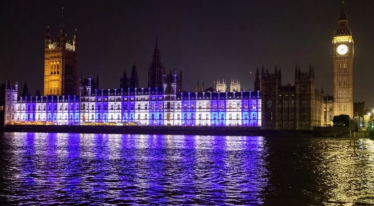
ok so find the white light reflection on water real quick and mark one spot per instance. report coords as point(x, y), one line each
point(349, 174)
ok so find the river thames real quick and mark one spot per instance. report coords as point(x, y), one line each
point(99, 169)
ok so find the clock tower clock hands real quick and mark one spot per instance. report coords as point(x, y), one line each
point(342, 49)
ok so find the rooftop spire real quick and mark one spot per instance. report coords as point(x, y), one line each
point(156, 54)
point(343, 15)
point(62, 16)
point(156, 42)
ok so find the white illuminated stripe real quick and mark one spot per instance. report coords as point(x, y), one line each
point(114, 146)
point(87, 142)
point(62, 145)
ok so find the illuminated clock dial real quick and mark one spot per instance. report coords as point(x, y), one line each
point(342, 49)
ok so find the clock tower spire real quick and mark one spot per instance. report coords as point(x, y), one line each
point(343, 55)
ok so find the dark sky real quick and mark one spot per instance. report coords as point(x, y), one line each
point(206, 39)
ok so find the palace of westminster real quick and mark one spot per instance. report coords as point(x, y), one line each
point(70, 99)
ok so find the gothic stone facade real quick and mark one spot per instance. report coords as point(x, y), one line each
point(290, 107)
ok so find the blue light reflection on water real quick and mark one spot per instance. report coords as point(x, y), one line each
point(100, 168)
point(28, 167)
point(73, 169)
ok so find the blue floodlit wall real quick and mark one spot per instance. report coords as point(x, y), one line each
point(99, 117)
point(245, 110)
point(188, 107)
point(125, 110)
point(214, 112)
point(196, 109)
point(221, 109)
point(156, 108)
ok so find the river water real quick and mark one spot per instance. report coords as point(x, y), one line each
point(100, 169)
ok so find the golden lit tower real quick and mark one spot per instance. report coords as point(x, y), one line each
point(61, 64)
point(343, 54)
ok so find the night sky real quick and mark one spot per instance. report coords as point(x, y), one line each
point(207, 39)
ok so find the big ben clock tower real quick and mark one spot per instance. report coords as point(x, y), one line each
point(343, 54)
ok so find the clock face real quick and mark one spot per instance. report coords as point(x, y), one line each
point(342, 49)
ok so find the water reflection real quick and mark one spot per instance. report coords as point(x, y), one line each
point(163, 169)
point(349, 174)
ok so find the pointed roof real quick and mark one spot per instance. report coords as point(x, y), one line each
point(343, 29)
point(343, 15)
point(133, 71)
point(47, 33)
point(156, 54)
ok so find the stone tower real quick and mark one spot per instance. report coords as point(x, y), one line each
point(343, 55)
point(61, 64)
point(235, 85)
point(221, 86)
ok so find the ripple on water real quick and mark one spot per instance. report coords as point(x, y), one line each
point(164, 169)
